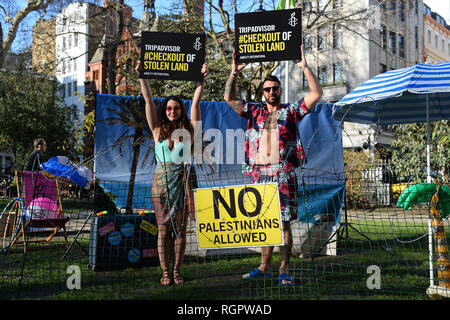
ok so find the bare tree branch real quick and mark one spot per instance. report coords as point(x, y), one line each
point(31, 6)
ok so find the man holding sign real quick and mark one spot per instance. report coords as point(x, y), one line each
point(273, 150)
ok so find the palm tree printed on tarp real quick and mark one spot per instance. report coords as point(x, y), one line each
point(131, 113)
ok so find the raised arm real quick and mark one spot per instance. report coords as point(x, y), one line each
point(315, 89)
point(150, 108)
point(230, 86)
point(195, 108)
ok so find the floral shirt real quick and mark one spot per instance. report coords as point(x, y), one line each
point(291, 151)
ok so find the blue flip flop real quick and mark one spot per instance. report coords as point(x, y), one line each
point(256, 273)
point(288, 278)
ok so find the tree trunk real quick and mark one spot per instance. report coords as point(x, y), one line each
point(117, 25)
point(134, 163)
point(5, 44)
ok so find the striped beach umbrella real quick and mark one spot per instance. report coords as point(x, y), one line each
point(420, 93)
point(399, 96)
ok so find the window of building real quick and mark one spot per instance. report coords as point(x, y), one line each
point(383, 36)
point(322, 39)
point(338, 72)
point(322, 74)
point(95, 75)
point(337, 4)
point(429, 36)
point(401, 46)
point(416, 34)
point(322, 5)
point(69, 89)
point(63, 71)
point(305, 82)
point(436, 41)
point(307, 6)
point(308, 43)
point(401, 10)
point(75, 65)
point(337, 36)
point(63, 91)
point(75, 87)
point(75, 40)
point(392, 42)
point(64, 43)
point(443, 44)
point(440, 20)
point(383, 68)
point(69, 41)
point(391, 4)
point(69, 66)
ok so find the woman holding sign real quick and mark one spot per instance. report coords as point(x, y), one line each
point(173, 179)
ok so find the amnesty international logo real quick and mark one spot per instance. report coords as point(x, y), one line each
point(172, 56)
point(293, 20)
point(238, 216)
point(197, 44)
point(268, 36)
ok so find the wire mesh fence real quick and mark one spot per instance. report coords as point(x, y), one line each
point(345, 245)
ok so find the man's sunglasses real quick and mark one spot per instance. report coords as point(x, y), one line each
point(274, 88)
point(176, 108)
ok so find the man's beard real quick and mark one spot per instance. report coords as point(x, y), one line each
point(274, 99)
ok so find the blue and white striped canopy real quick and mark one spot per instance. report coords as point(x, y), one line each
point(399, 96)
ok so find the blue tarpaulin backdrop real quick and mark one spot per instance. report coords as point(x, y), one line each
point(321, 179)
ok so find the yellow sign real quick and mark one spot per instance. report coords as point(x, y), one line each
point(238, 216)
point(150, 228)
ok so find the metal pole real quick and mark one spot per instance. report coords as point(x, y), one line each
point(428, 143)
point(430, 229)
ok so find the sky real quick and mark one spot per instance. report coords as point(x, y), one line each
point(23, 39)
point(440, 6)
point(24, 34)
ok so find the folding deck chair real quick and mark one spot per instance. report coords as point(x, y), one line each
point(43, 207)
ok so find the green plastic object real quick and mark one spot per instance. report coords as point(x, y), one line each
point(422, 192)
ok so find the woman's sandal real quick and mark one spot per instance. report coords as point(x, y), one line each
point(165, 280)
point(177, 278)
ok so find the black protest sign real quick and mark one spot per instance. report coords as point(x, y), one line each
point(268, 36)
point(172, 56)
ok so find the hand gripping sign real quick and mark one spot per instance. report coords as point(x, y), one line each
point(238, 216)
point(172, 56)
point(268, 36)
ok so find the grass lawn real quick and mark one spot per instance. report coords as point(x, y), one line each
point(399, 251)
point(342, 277)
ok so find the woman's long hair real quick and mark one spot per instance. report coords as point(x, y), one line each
point(166, 127)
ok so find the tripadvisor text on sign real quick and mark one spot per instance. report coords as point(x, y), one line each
point(238, 216)
point(172, 56)
point(268, 36)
